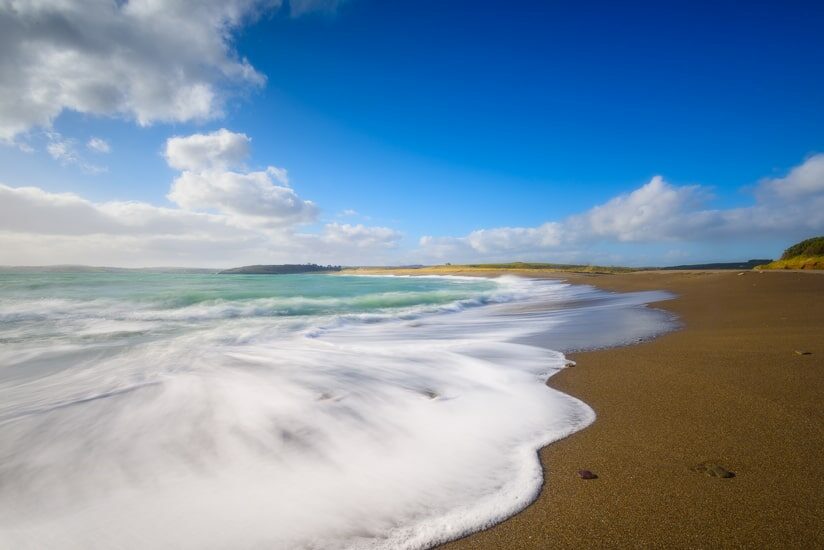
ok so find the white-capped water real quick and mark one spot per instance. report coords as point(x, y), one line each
point(339, 412)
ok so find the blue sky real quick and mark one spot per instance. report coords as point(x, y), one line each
point(456, 131)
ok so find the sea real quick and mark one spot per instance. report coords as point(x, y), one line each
point(202, 411)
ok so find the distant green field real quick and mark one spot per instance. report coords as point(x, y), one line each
point(548, 266)
point(515, 267)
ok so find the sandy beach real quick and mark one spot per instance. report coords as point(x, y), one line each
point(730, 387)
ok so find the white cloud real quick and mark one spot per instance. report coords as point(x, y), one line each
point(254, 197)
point(34, 211)
point(60, 150)
point(630, 217)
point(98, 145)
point(280, 174)
point(658, 212)
point(220, 149)
point(39, 228)
point(145, 60)
point(360, 235)
point(802, 181)
point(515, 238)
point(224, 218)
point(207, 183)
point(64, 150)
point(231, 217)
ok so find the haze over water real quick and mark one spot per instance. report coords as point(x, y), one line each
point(301, 411)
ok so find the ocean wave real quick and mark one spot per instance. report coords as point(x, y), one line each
point(398, 418)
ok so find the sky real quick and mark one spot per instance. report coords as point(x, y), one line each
point(219, 133)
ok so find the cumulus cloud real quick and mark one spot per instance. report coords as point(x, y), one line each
point(789, 207)
point(41, 227)
point(34, 211)
point(251, 196)
point(629, 218)
point(207, 183)
point(224, 217)
point(38, 227)
point(225, 214)
point(145, 60)
point(218, 150)
point(806, 180)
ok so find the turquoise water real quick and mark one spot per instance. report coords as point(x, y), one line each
point(282, 295)
point(149, 410)
point(98, 309)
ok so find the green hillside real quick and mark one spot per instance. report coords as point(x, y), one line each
point(807, 248)
point(808, 254)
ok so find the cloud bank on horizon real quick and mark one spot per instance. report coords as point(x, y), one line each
point(789, 207)
point(165, 62)
point(225, 215)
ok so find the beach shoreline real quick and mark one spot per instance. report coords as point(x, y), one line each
point(738, 385)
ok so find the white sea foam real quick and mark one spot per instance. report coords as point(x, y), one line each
point(396, 428)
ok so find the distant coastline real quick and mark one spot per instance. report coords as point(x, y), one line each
point(535, 269)
point(805, 255)
point(282, 269)
point(418, 269)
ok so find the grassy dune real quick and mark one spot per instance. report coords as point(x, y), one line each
point(797, 262)
point(808, 254)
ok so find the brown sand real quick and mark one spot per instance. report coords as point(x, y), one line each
point(727, 388)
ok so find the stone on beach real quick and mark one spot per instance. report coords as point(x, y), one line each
point(713, 470)
point(587, 474)
point(801, 352)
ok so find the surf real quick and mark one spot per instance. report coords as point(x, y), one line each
point(310, 411)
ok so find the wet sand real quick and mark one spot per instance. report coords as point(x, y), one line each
point(729, 388)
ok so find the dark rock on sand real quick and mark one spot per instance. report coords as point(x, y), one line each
point(713, 470)
point(586, 474)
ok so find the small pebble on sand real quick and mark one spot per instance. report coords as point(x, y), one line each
point(586, 474)
point(713, 470)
